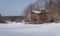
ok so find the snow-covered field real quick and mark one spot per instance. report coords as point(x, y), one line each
point(21, 29)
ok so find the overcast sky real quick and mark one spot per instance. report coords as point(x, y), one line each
point(13, 7)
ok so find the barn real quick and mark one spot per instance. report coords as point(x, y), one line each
point(38, 17)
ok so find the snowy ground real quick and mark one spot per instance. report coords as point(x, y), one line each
point(21, 29)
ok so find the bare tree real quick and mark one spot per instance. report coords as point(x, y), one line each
point(54, 9)
point(38, 5)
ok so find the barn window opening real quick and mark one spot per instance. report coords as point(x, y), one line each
point(42, 18)
point(35, 19)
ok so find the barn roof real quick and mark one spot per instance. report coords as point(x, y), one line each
point(37, 11)
point(40, 11)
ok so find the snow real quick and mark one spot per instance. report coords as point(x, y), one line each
point(21, 29)
point(37, 11)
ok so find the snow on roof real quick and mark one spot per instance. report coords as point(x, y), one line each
point(37, 11)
